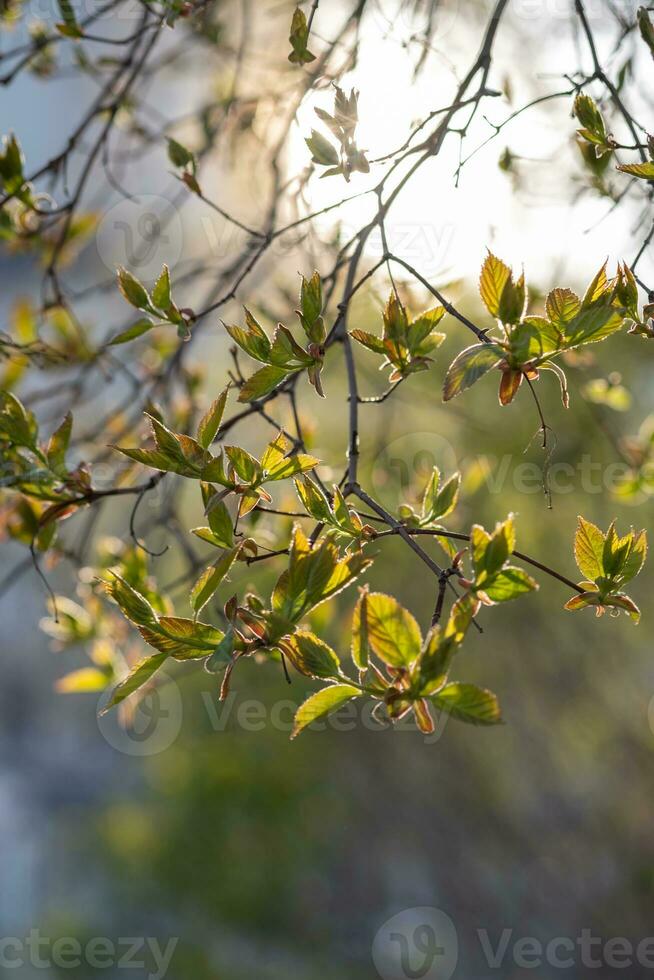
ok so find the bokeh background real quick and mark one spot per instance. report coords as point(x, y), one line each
point(281, 860)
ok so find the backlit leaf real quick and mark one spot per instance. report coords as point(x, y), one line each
point(161, 290)
point(138, 676)
point(322, 703)
point(393, 634)
point(469, 703)
point(642, 170)
point(210, 580)
point(210, 422)
point(133, 290)
point(136, 330)
point(469, 366)
point(589, 547)
point(262, 382)
point(510, 583)
point(311, 656)
point(494, 277)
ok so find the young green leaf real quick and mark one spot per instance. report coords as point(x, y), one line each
point(492, 281)
point(562, 306)
point(469, 703)
point(136, 330)
point(392, 632)
point(179, 156)
point(69, 26)
point(247, 468)
point(210, 580)
point(589, 548)
point(132, 604)
point(322, 151)
point(133, 290)
point(438, 503)
point(220, 522)
point(180, 638)
point(311, 656)
point(360, 643)
point(210, 422)
point(58, 445)
point(315, 573)
point(263, 382)
point(299, 37)
point(323, 703)
point(593, 128)
point(311, 298)
point(469, 366)
point(161, 290)
point(435, 661)
point(137, 677)
point(509, 583)
point(643, 170)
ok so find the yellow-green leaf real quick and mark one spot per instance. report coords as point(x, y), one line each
point(322, 703)
point(642, 170)
point(210, 422)
point(210, 579)
point(468, 703)
point(469, 366)
point(589, 547)
point(492, 281)
point(311, 656)
point(137, 677)
point(393, 633)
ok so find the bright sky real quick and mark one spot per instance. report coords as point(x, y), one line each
point(442, 230)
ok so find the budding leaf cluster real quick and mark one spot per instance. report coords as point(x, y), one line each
point(525, 344)
point(607, 562)
point(232, 468)
point(158, 305)
point(283, 356)
point(402, 671)
point(345, 158)
point(405, 343)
